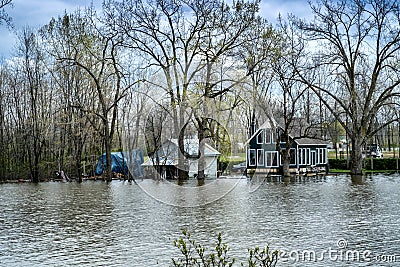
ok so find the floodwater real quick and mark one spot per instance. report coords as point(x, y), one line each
point(317, 221)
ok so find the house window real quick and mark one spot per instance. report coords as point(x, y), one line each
point(321, 155)
point(313, 158)
point(304, 156)
point(260, 137)
point(252, 157)
point(269, 136)
point(260, 157)
point(272, 137)
point(300, 156)
point(271, 159)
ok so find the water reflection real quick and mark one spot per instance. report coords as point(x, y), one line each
point(358, 179)
point(120, 224)
point(188, 194)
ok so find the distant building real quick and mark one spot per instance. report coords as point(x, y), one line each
point(166, 157)
point(263, 155)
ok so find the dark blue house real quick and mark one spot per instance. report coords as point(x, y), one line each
point(263, 156)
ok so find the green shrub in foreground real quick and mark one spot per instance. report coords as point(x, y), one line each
point(194, 254)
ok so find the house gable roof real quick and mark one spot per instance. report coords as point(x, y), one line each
point(191, 146)
point(266, 125)
point(299, 141)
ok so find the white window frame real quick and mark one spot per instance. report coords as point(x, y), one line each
point(300, 155)
point(261, 133)
point(324, 156)
point(269, 164)
point(249, 158)
point(267, 137)
point(272, 137)
point(260, 152)
point(315, 158)
point(321, 157)
point(304, 156)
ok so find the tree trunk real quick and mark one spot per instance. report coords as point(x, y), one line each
point(284, 152)
point(107, 143)
point(108, 174)
point(78, 166)
point(286, 163)
point(201, 160)
point(356, 157)
point(35, 175)
point(183, 173)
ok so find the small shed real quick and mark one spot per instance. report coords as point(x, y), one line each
point(306, 154)
point(166, 157)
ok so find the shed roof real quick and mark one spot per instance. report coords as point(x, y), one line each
point(163, 161)
point(191, 146)
point(310, 141)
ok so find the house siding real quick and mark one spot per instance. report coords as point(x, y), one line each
point(210, 170)
point(265, 155)
point(167, 158)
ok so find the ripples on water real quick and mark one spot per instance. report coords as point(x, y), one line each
point(121, 224)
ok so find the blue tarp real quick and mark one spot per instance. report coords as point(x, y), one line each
point(123, 162)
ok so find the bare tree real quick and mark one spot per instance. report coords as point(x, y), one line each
point(14, 110)
point(72, 124)
point(186, 41)
point(3, 137)
point(159, 34)
point(226, 63)
point(37, 100)
point(99, 58)
point(4, 17)
point(358, 43)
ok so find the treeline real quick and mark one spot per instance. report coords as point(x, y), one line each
point(139, 72)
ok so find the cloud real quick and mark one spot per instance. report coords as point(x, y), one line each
point(39, 12)
point(7, 41)
point(36, 13)
point(270, 9)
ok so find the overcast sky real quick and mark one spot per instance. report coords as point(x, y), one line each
point(36, 13)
